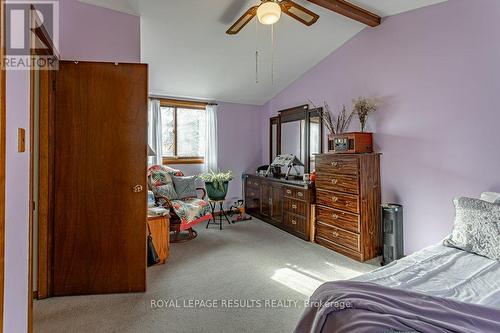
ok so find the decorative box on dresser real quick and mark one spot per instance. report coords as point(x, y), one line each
point(285, 204)
point(348, 197)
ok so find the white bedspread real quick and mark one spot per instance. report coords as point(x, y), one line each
point(446, 272)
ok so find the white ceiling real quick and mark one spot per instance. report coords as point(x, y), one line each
point(191, 56)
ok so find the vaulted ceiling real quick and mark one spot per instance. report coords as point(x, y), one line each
point(191, 56)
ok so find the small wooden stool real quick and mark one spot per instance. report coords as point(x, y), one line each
point(213, 206)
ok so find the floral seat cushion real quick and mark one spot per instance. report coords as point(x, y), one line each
point(191, 211)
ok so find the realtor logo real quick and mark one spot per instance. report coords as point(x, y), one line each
point(29, 29)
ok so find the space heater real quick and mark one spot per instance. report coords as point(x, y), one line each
point(392, 223)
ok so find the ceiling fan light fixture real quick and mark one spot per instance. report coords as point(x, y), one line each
point(269, 12)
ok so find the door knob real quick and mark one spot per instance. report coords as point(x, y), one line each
point(137, 189)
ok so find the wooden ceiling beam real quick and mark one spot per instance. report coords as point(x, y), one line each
point(349, 10)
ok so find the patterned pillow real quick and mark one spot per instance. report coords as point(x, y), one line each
point(477, 228)
point(168, 191)
point(185, 186)
point(160, 177)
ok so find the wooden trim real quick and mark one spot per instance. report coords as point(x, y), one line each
point(3, 158)
point(166, 102)
point(45, 169)
point(44, 99)
point(175, 131)
point(45, 193)
point(33, 42)
point(183, 160)
point(351, 11)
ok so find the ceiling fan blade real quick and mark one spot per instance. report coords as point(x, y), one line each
point(242, 21)
point(299, 13)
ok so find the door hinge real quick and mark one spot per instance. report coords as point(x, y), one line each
point(33, 205)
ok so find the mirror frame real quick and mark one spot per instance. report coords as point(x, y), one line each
point(301, 112)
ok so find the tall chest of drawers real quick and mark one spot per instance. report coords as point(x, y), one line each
point(348, 196)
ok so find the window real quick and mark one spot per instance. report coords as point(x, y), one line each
point(183, 132)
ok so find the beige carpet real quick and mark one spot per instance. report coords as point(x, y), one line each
point(249, 277)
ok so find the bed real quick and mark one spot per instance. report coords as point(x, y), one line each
point(444, 272)
point(437, 289)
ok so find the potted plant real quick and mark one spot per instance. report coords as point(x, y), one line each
point(216, 183)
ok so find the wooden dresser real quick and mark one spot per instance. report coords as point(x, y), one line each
point(348, 196)
point(285, 204)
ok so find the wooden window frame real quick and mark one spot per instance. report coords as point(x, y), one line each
point(178, 104)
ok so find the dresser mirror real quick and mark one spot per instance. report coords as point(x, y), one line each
point(297, 131)
point(315, 136)
point(273, 135)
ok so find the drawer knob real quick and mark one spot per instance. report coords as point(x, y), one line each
point(294, 222)
point(300, 194)
point(294, 206)
point(347, 204)
point(288, 192)
point(335, 164)
point(335, 181)
point(335, 234)
point(335, 199)
point(335, 216)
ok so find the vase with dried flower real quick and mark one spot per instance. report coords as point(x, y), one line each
point(363, 107)
point(338, 123)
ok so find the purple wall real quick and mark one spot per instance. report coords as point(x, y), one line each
point(239, 144)
point(97, 34)
point(438, 72)
point(87, 33)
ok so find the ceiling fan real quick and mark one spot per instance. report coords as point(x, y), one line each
point(269, 12)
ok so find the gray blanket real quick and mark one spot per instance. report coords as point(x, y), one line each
point(349, 306)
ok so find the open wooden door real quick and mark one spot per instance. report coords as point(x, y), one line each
point(100, 129)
